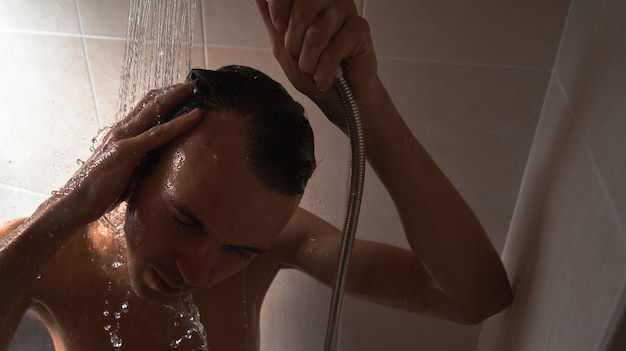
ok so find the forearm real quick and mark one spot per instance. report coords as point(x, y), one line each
point(26, 248)
point(452, 253)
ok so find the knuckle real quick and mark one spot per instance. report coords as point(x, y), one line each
point(117, 134)
point(315, 35)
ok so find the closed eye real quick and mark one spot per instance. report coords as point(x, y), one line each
point(181, 216)
point(182, 224)
point(243, 254)
point(247, 252)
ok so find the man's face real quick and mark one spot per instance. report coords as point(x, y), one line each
point(201, 214)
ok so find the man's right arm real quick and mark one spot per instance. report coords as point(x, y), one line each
point(27, 247)
point(14, 299)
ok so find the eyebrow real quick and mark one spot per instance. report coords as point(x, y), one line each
point(196, 222)
point(182, 209)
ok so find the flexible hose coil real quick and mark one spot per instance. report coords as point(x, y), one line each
point(357, 177)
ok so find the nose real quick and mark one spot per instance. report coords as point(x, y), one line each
point(196, 263)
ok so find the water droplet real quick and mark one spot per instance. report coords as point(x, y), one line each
point(116, 341)
point(106, 302)
point(116, 264)
point(107, 327)
point(80, 162)
point(117, 315)
point(175, 343)
point(105, 313)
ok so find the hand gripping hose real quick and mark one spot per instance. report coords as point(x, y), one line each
point(357, 176)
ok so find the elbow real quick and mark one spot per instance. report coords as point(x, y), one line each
point(479, 309)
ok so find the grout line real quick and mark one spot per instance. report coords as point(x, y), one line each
point(89, 71)
point(465, 63)
point(595, 29)
point(59, 34)
point(200, 7)
point(525, 175)
point(39, 32)
point(563, 30)
point(603, 185)
point(23, 190)
point(238, 47)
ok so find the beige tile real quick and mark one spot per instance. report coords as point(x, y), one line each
point(111, 18)
point(565, 255)
point(577, 37)
point(364, 327)
point(375, 328)
point(233, 23)
point(236, 23)
point(48, 114)
point(17, 203)
point(477, 123)
point(104, 18)
point(105, 60)
point(53, 16)
point(499, 32)
point(597, 96)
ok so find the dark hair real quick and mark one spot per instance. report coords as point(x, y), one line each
point(280, 140)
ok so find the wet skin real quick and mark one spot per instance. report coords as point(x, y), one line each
point(193, 224)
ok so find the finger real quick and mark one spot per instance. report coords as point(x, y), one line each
point(302, 15)
point(163, 133)
point(318, 37)
point(279, 13)
point(162, 104)
point(276, 37)
point(349, 42)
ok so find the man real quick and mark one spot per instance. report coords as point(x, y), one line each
point(212, 213)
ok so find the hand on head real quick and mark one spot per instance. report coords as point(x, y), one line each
point(104, 178)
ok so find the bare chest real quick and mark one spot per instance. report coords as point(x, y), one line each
point(87, 307)
point(223, 318)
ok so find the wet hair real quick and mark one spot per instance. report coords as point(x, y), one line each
point(279, 144)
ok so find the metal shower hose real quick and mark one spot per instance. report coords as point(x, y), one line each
point(357, 176)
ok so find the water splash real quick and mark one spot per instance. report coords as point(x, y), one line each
point(158, 47)
point(112, 327)
point(187, 315)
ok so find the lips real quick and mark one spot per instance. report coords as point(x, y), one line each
point(157, 282)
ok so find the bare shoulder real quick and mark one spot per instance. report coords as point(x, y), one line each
point(301, 231)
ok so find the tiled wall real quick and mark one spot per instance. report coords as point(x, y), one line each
point(566, 251)
point(469, 78)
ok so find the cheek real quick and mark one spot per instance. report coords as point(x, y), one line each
point(144, 235)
